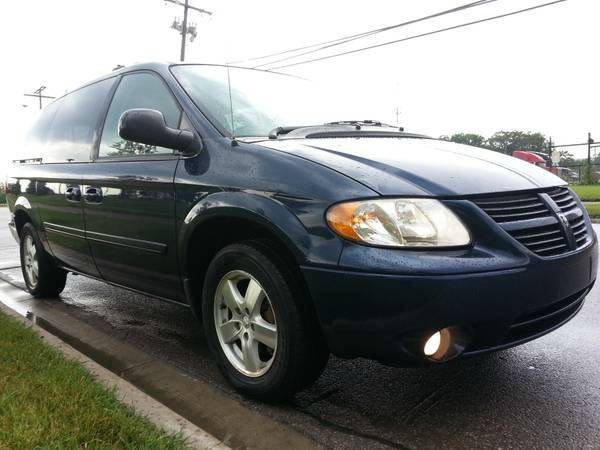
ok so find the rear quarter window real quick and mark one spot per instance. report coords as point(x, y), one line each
point(67, 128)
point(38, 134)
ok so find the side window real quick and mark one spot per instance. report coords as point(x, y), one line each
point(35, 141)
point(74, 128)
point(139, 90)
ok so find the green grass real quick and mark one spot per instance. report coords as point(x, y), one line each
point(50, 402)
point(593, 210)
point(587, 192)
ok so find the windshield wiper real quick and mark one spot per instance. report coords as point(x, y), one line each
point(357, 124)
point(361, 123)
point(275, 132)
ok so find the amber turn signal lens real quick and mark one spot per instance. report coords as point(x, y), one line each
point(341, 218)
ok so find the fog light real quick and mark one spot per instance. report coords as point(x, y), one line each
point(433, 344)
point(445, 344)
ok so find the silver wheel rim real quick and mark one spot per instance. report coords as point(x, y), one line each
point(245, 323)
point(30, 261)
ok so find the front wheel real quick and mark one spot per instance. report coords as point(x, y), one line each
point(42, 277)
point(259, 326)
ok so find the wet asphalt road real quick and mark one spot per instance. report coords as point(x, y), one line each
point(545, 394)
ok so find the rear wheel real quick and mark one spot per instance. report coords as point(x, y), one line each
point(258, 324)
point(42, 277)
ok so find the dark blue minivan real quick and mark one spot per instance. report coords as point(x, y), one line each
point(291, 229)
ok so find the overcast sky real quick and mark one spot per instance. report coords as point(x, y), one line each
point(537, 71)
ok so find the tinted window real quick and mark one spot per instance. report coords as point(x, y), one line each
point(66, 130)
point(140, 90)
point(38, 135)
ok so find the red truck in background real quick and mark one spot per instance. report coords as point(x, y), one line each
point(539, 159)
point(545, 162)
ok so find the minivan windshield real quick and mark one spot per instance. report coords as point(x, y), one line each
point(252, 103)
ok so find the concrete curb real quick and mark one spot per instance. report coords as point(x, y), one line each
point(128, 394)
point(202, 404)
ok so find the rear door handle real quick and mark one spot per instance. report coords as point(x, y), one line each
point(92, 194)
point(73, 194)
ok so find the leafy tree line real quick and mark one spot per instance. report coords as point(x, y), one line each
point(504, 141)
point(508, 141)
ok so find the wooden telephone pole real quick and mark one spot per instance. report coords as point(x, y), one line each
point(183, 27)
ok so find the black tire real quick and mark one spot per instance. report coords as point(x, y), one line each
point(301, 354)
point(50, 279)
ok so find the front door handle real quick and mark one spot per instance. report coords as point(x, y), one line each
point(93, 194)
point(73, 194)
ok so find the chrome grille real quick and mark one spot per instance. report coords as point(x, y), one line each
point(579, 229)
point(545, 241)
point(528, 219)
point(563, 199)
point(514, 207)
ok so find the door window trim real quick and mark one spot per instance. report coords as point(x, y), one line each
point(96, 158)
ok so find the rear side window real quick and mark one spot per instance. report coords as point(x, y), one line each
point(139, 90)
point(38, 136)
point(67, 129)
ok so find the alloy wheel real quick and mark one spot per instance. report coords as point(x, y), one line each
point(30, 261)
point(245, 323)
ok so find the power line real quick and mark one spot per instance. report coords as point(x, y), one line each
point(189, 7)
point(570, 145)
point(345, 40)
point(352, 37)
point(416, 36)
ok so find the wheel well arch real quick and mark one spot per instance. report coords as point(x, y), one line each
point(21, 218)
point(215, 233)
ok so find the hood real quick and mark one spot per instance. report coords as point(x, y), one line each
point(412, 166)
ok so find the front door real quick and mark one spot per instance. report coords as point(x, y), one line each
point(129, 196)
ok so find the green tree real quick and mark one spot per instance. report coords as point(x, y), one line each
point(509, 141)
point(123, 147)
point(589, 176)
point(566, 158)
point(476, 140)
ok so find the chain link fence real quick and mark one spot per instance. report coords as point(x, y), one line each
point(575, 173)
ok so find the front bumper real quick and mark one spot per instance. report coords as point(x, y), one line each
point(371, 314)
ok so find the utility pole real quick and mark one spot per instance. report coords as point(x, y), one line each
point(183, 27)
point(590, 141)
point(184, 31)
point(397, 116)
point(38, 93)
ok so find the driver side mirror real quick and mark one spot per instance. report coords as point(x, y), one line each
point(148, 126)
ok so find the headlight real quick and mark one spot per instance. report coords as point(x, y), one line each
point(405, 222)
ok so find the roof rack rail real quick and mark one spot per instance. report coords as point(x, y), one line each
point(27, 161)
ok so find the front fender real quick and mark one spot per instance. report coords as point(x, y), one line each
point(267, 211)
point(21, 204)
